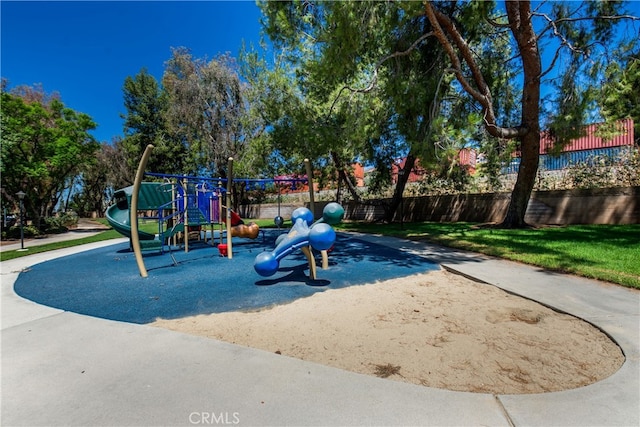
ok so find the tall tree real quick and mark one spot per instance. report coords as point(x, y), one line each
point(99, 180)
point(43, 145)
point(302, 124)
point(146, 104)
point(579, 31)
point(206, 106)
point(621, 88)
point(375, 79)
point(381, 57)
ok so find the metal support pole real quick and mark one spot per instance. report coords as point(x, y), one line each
point(133, 219)
point(185, 186)
point(229, 190)
point(21, 195)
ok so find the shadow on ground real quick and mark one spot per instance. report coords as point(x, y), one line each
point(105, 282)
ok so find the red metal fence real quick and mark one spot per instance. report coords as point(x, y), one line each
point(590, 141)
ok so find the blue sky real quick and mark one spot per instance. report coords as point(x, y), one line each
point(84, 50)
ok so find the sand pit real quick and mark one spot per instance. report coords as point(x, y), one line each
point(436, 329)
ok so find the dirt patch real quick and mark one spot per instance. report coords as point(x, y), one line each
point(436, 329)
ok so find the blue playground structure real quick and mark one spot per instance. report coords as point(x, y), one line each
point(304, 235)
point(183, 204)
point(190, 203)
point(195, 204)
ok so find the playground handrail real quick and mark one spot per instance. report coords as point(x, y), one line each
point(224, 180)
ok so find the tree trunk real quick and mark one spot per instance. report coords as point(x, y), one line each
point(519, 14)
point(344, 176)
point(403, 177)
point(524, 183)
point(339, 190)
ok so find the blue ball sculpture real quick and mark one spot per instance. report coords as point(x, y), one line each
point(304, 234)
point(321, 237)
point(302, 213)
point(266, 264)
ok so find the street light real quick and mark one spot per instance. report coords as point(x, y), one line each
point(21, 195)
point(401, 173)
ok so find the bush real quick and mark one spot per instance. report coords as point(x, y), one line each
point(14, 232)
point(600, 171)
point(61, 223)
point(54, 226)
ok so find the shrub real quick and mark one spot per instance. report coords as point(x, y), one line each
point(14, 232)
point(60, 223)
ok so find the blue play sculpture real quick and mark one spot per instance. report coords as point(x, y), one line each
point(304, 235)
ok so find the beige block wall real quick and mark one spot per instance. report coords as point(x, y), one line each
point(597, 206)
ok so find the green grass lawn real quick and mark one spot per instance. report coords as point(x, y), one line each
point(605, 252)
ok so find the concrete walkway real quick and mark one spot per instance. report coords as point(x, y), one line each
point(63, 369)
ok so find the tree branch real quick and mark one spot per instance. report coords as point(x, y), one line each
point(564, 42)
point(594, 18)
point(374, 80)
point(553, 25)
point(436, 19)
point(494, 23)
point(442, 23)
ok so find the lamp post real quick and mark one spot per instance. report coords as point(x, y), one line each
point(401, 173)
point(21, 195)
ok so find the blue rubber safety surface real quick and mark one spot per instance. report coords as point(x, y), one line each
point(106, 283)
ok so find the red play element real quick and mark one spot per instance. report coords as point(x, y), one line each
point(235, 219)
point(222, 248)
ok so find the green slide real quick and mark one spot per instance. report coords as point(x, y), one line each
point(119, 219)
point(151, 196)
